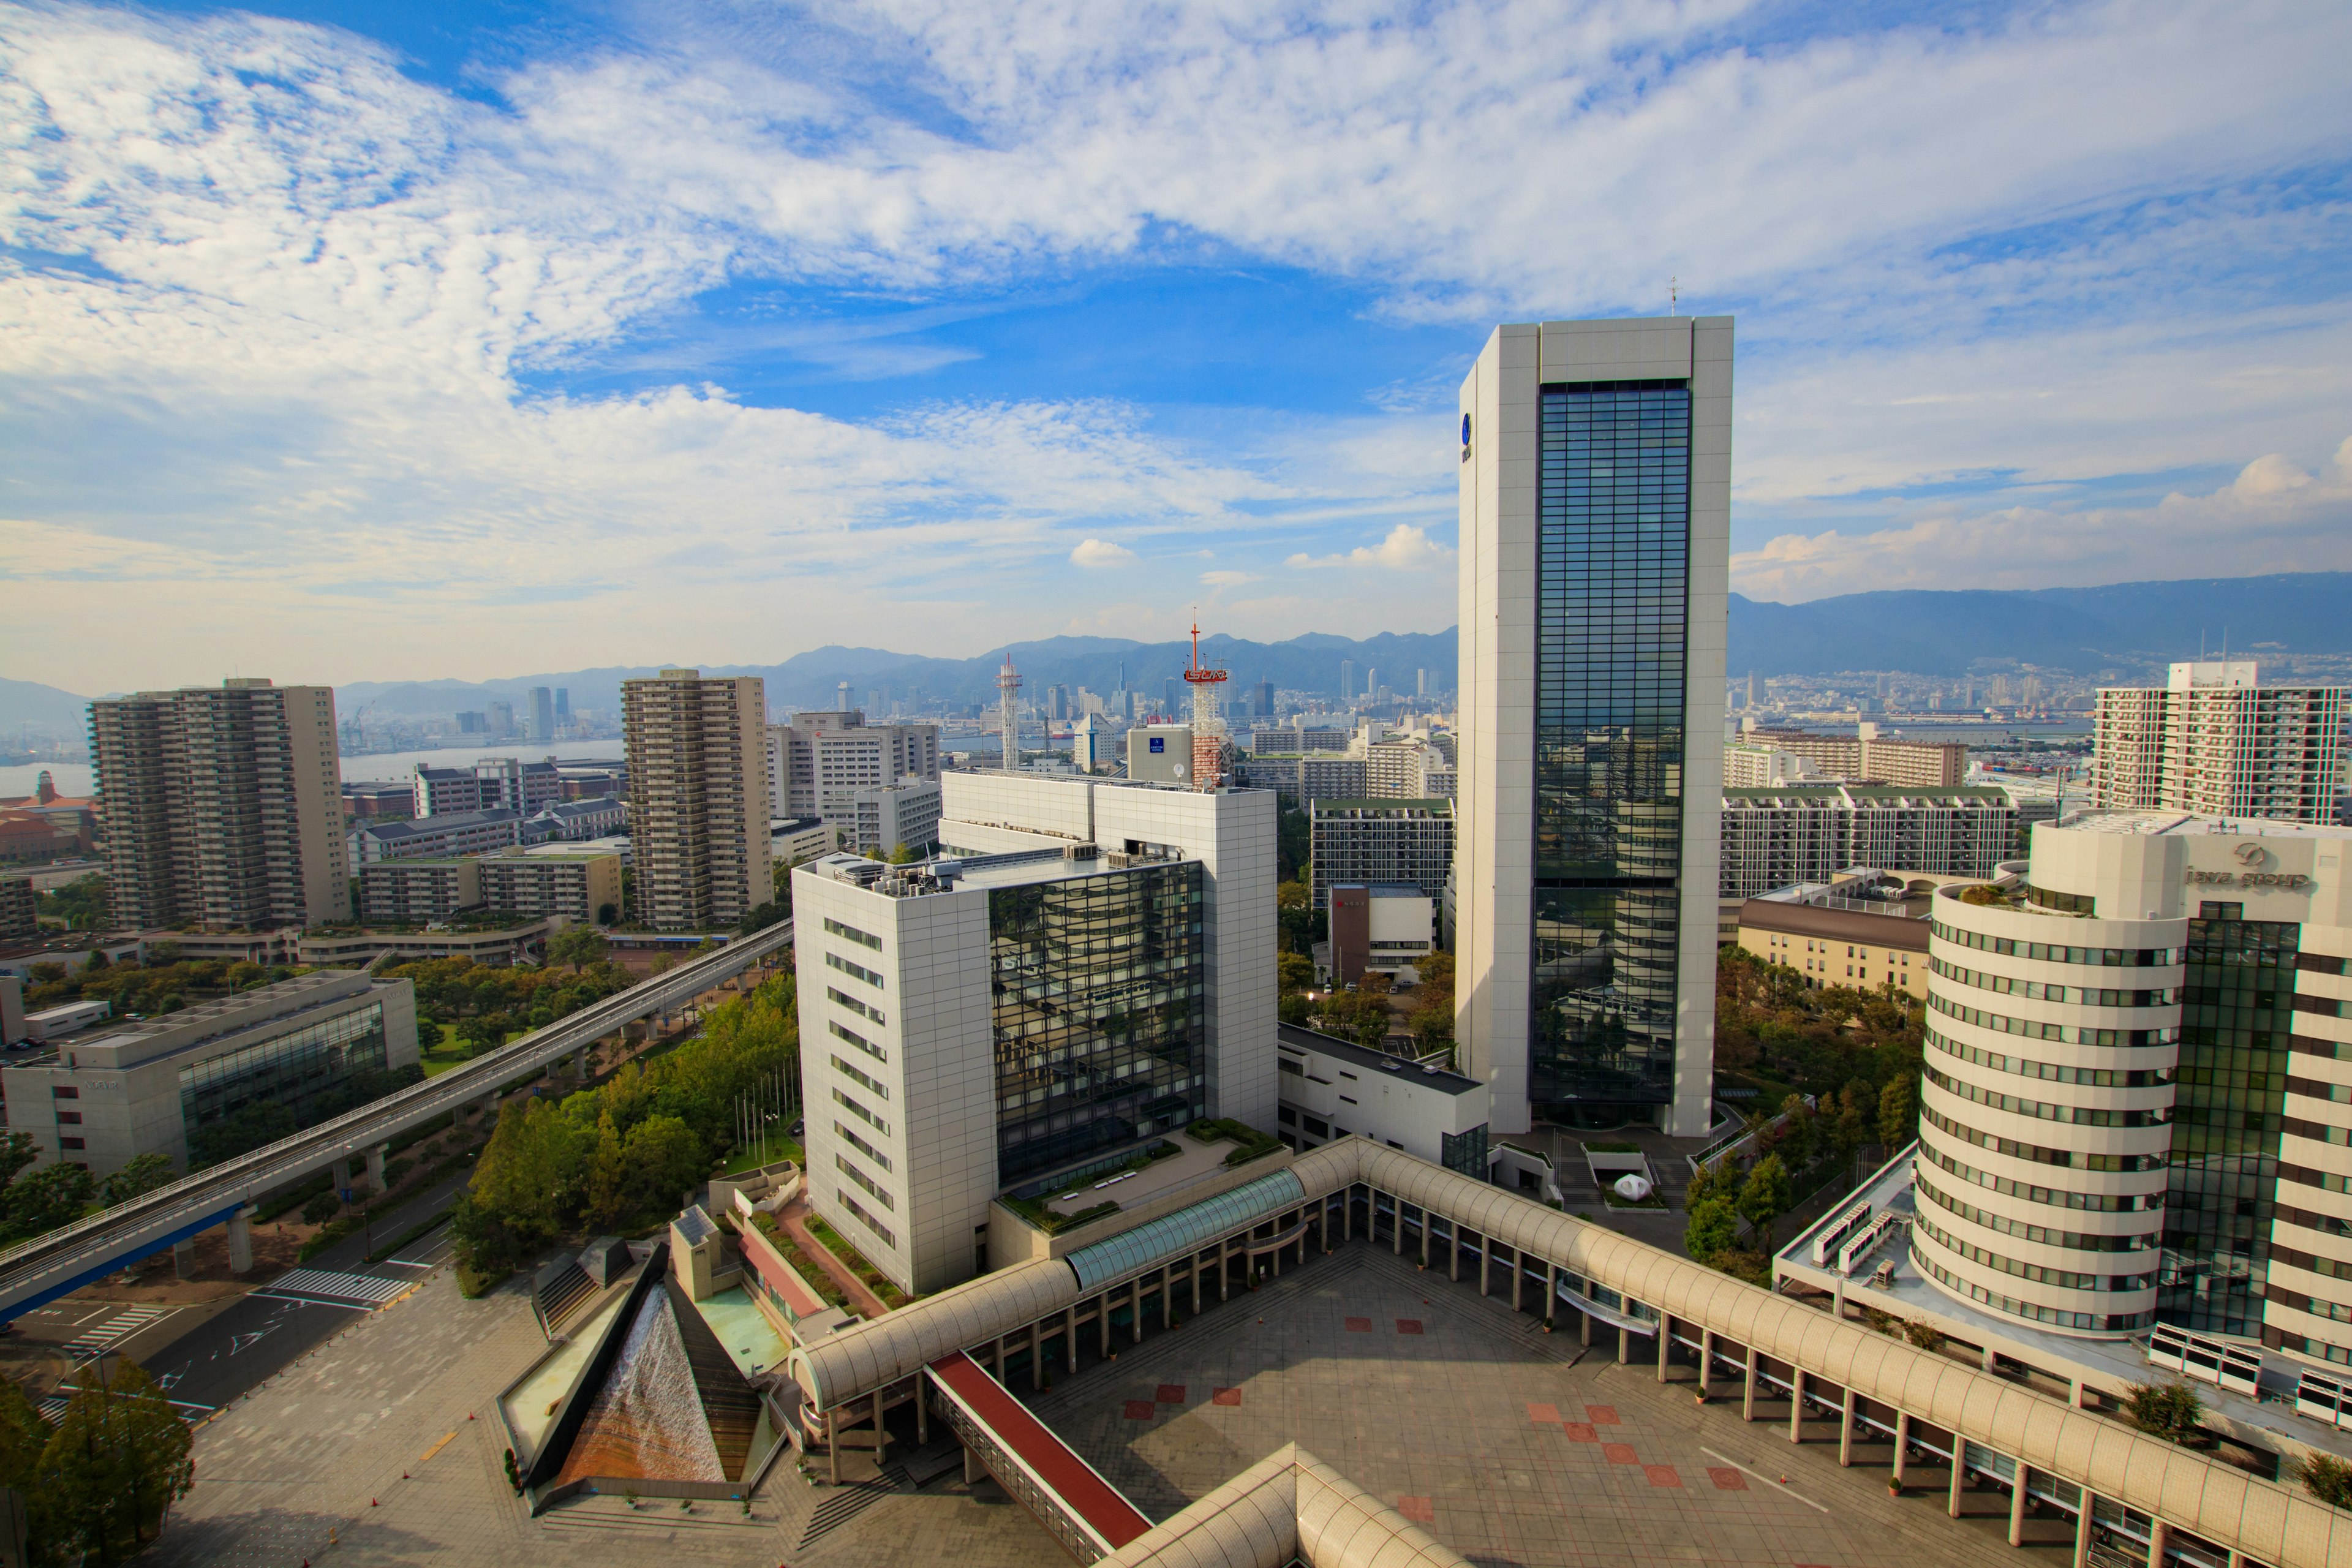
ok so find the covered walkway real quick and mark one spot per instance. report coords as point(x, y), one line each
point(1085, 1512)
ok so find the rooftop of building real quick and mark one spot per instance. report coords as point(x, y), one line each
point(203, 1021)
point(1435, 804)
point(1385, 890)
point(442, 822)
point(2151, 824)
point(952, 874)
point(1425, 1075)
point(1826, 790)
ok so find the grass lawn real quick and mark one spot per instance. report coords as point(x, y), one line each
point(751, 1158)
point(441, 1055)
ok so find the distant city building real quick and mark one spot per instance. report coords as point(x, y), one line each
point(1363, 842)
point(224, 806)
point(1304, 778)
point(890, 817)
point(2215, 741)
point(563, 705)
point(502, 722)
point(543, 714)
point(491, 783)
point(418, 889)
point(1752, 764)
point(473, 723)
point(1865, 757)
point(1262, 700)
point(699, 763)
point(1296, 740)
point(317, 1044)
point(388, 801)
point(1407, 769)
point(443, 837)
point(571, 821)
point(584, 885)
point(818, 763)
point(1380, 927)
point(792, 839)
point(18, 906)
point(1595, 533)
point(1090, 744)
point(1812, 833)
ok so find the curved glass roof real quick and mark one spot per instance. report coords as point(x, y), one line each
point(1172, 1234)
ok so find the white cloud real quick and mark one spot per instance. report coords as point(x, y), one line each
point(2274, 517)
point(1100, 553)
point(1406, 549)
point(1227, 579)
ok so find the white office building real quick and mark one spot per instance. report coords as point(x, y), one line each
point(1809, 833)
point(1595, 527)
point(889, 817)
point(2213, 740)
point(818, 763)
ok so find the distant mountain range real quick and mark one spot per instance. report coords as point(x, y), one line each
point(2129, 629)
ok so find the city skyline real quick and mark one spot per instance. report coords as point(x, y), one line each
point(831, 316)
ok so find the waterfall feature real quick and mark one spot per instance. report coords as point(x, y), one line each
point(647, 1420)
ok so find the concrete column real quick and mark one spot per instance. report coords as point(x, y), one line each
point(1992, 1362)
point(1902, 1464)
point(1960, 1474)
point(2082, 1531)
point(1797, 1405)
point(375, 1163)
point(833, 1446)
point(1624, 1344)
point(1747, 1389)
point(881, 1432)
point(2075, 1391)
point(1224, 1270)
point(1037, 1355)
point(1486, 1257)
point(1706, 1361)
point(1167, 1295)
point(1454, 1252)
point(2017, 1508)
point(1551, 1289)
point(1519, 1275)
point(1396, 1231)
point(1348, 1216)
point(1665, 1342)
point(1103, 1312)
point(1837, 1298)
point(2159, 1541)
point(973, 1472)
point(1070, 1339)
point(1845, 1429)
point(240, 1241)
point(184, 1259)
point(996, 1362)
point(1135, 1318)
point(1585, 1324)
point(1424, 1237)
point(2237, 1558)
point(923, 1411)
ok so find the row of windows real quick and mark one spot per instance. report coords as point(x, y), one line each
point(844, 1032)
point(2063, 1033)
point(889, 1237)
point(863, 1010)
point(855, 970)
point(2076, 1115)
point(2072, 1159)
point(856, 1076)
point(2298, 1259)
point(2303, 1175)
point(865, 938)
point(2318, 1132)
point(2074, 1240)
point(2063, 1279)
point(2334, 1311)
point(863, 1147)
point(2096, 1077)
point(2036, 991)
point(876, 1123)
point(2113, 1322)
point(2058, 952)
point(840, 1164)
point(2055, 1197)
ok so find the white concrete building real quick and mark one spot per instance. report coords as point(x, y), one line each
point(971, 1025)
point(1331, 1087)
point(1595, 529)
point(889, 816)
point(1160, 753)
point(2214, 741)
point(818, 763)
point(1231, 834)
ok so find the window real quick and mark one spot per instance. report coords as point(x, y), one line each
point(314, 1071)
point(64, 1092)
point(865, 938)
point(863, 1147)
point(856, 970)
point(883, 1231)
point(841, 1031)
point(876, 1123)
point(69, 1143)
point(863, 1180)
point(854, 1006)
point(1286, 1116)
point(1292, 1067)
point(853, 1073)
point(70, 1118)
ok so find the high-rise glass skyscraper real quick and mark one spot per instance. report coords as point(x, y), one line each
point(1595, 526)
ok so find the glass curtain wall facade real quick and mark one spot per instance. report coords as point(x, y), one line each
point(1101, 1013)
point(2236, 1018)
point(1613, 577)
point(299, 1070)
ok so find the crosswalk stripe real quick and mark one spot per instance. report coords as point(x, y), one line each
point(351, 1286)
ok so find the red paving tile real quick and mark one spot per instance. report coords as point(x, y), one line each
point(1226, 1397)
point(1726, 1480)
point(1580, 1431)
point(1141, 1410)
point(1359, 1325)
point(1661, 1475)
point(1171, 1394)
point(1419, 1509)
point(1602, 1415)
point(1619, 1453)
point(1408, 1325)
point(1544, 1415)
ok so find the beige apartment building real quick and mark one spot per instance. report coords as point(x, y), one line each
point(1865, 756)
point(224, 806)
point(699, 803)
point(2214, 741)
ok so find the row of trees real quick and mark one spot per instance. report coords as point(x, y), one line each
point(96, 1488)
point(164, 984)
point(485, 1004)
point(35, 1201)
point(625, 1152)
point(1771, 1025)
point(1793, 1152)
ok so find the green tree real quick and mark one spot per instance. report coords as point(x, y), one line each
point(608, 1173)
point(1851, 1129)
point(144, 1173)
point(1293, 971)
point(2168, 1410)
point(1895, 1114)
point(46, 1198)
point(257, 1125)
point(1796, 1144)
point(902, 856)
point(578, 946)
point(2327, 1477)
point(666, 1158)
point(118, 1459)
point(1714, 1228)
point(1764, 1197)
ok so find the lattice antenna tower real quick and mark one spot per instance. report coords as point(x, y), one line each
point(1208, 725)
point(1008, 686)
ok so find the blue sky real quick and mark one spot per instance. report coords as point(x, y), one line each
point(361, 340)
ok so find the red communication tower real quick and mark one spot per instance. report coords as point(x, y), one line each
point(1208, 729)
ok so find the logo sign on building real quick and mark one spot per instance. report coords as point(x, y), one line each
point(1159, 744)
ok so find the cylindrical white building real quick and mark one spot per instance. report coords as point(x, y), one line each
point(2053, 1033)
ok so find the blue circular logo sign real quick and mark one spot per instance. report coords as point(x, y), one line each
point(1466, 429)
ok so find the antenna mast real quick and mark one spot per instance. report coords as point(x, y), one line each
point(1008, 682)
point(1208, 728)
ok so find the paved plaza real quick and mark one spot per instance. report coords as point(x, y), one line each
point(1513, 1447)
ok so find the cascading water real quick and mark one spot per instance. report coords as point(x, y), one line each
point(647, 1420)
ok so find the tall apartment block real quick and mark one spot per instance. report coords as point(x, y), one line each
point(224, 806)
point(1809, 833)
point(697, 759)
point(2212, 740)
point(1379, 841)
point(1595, 529)
point(2138, 1105)
point(1864, 758)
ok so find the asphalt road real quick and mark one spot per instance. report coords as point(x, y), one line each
point(236, 1349)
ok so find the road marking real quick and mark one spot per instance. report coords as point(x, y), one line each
point(316, 1301)
point(447, 1438)
point(351, 1287)
point(1776, 1485)
point(88, 1346)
